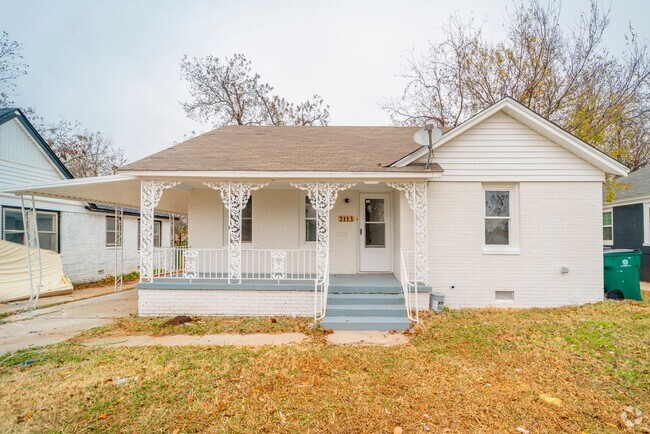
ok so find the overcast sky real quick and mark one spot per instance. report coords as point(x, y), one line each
point(114, 65)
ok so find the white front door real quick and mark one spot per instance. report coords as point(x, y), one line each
point(375, 235)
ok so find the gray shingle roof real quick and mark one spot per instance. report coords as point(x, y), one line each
point(639, 185)
point(285, 148)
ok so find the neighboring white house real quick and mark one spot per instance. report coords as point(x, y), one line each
point(345, 223)
point(79, 231)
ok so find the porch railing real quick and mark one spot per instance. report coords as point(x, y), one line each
point(256, 264)
point(410, 285)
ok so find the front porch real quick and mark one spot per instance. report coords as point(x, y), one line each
point(352, 301)
point(276, 246)
point(271, 248)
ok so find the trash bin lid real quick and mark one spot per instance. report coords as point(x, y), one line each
point(607, 251)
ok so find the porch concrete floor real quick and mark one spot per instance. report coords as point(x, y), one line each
point(339, 284)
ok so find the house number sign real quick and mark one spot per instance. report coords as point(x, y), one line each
point(346, 218)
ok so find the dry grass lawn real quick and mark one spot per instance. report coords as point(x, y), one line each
point(543, 370)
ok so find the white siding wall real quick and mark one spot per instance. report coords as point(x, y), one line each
point(501, 149)
point(21, 160)
point(560, 226)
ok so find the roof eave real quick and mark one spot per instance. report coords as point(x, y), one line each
point(259, 175)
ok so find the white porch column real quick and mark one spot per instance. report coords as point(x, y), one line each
point(150, 193)
point(235, 196)
point(322, 196)
point(416, 196)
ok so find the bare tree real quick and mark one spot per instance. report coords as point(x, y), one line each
point(227, 92)
point(11, 67)
point(567, 76)
point(85, 153)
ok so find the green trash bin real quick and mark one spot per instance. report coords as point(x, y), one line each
point(622, 274)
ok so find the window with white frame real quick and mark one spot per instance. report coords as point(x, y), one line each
point(310, 220)
point(157, 231)
point(247, 222)
point(500, 225)
point(608, 227)
point(47, 222)
point(111, 232)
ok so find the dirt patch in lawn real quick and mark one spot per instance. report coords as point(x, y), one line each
point(198, 325)
point(573, 369)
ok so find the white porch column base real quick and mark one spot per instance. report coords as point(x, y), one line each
point(322, 196)
point(235, 196)
point(150, 193)
point(416, 196)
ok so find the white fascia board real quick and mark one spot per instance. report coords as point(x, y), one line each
point(630, 201)
point(68, 182)
point(284, 175)
point(537, 123)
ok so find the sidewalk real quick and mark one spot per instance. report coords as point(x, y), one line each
point(250, 340)
point(76, 295)
point(59, 323)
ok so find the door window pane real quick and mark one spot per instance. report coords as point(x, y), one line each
point(375, 234)
point(374, 210)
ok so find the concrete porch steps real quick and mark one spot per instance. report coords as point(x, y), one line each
point(372, 312)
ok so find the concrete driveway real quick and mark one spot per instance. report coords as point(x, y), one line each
point(58, 323)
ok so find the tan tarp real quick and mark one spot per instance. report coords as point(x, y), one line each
point(14, 277)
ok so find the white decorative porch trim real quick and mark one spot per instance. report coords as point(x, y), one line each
point(416, 196)
point(322, 196)
point(150, 193)
point(33, 249)
point(235, 196)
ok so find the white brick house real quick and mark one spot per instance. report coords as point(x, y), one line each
point(351, 225)
point(77, 230)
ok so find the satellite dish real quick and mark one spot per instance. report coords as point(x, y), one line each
point(421, 137)
point(436, 134)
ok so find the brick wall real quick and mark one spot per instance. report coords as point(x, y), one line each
point(169, 302)
point(560, 226)
point(84, 254)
